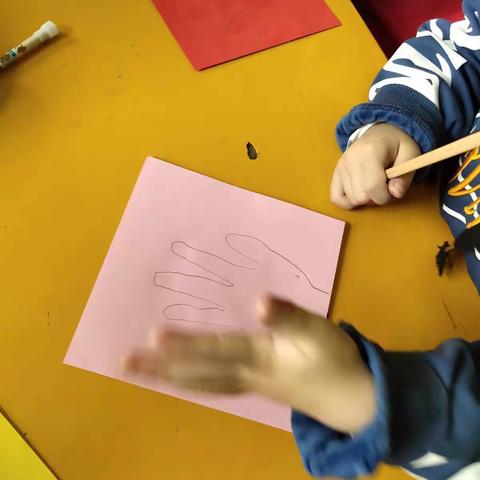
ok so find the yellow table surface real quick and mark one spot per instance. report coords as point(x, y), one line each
point(77, 120)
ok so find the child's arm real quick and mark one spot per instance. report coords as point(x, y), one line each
point(360, 405)
point(428, 90)
point(427, 418)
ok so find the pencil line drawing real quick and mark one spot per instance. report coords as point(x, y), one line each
point(176, 247)
point(275, 253)
point(177, 243)
point(186, 305)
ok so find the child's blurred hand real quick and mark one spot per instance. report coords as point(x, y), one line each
point(359, 178)
point(301, 360)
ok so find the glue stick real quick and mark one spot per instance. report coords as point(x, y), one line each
point(47, 31)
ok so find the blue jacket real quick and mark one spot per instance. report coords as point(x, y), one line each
point(428, 422)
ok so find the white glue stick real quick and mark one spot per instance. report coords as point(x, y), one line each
point(47, 31)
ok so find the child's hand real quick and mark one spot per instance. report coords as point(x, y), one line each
point(359, 178)
point(302, 360)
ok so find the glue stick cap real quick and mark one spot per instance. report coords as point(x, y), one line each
point(47, 30)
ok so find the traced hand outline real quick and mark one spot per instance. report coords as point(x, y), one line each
point(209, 262)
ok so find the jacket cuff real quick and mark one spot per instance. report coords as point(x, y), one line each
point(400, 106)
point(326, 452)
point(411, 410)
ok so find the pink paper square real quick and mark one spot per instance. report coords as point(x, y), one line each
point(195, 253)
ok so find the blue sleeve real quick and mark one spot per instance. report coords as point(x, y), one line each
point(427, 416)
point(430, 87)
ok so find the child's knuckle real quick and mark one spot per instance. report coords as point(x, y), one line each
point(363, 198)
point(335, 198)
point(371, 186)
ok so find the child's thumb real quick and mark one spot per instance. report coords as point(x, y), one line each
point(398, 187)
point(276, 312)
point(407, 149)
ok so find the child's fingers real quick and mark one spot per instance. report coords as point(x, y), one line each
point(204, 375)
point(368, 179)
point(337, 193)
point(375, 185)
point(200, 375)
point(270, 308)
point(398, 187)
point(227, 385)
point(281, 315)
point(346, 180)
point(364, 182)
point(355, 170)
point(362, 196)
point(213, 363)
point(221, 347)
point(145, 362)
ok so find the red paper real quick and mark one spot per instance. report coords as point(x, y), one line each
point(216, 31)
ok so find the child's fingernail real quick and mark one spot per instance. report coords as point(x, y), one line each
point(127, 363)
point(260, 307)
point(153, 338)
point(397, 189)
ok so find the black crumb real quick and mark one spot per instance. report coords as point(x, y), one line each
point(443, 258)
point(251, 151)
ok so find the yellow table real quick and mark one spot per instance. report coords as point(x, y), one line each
point(76, 122)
